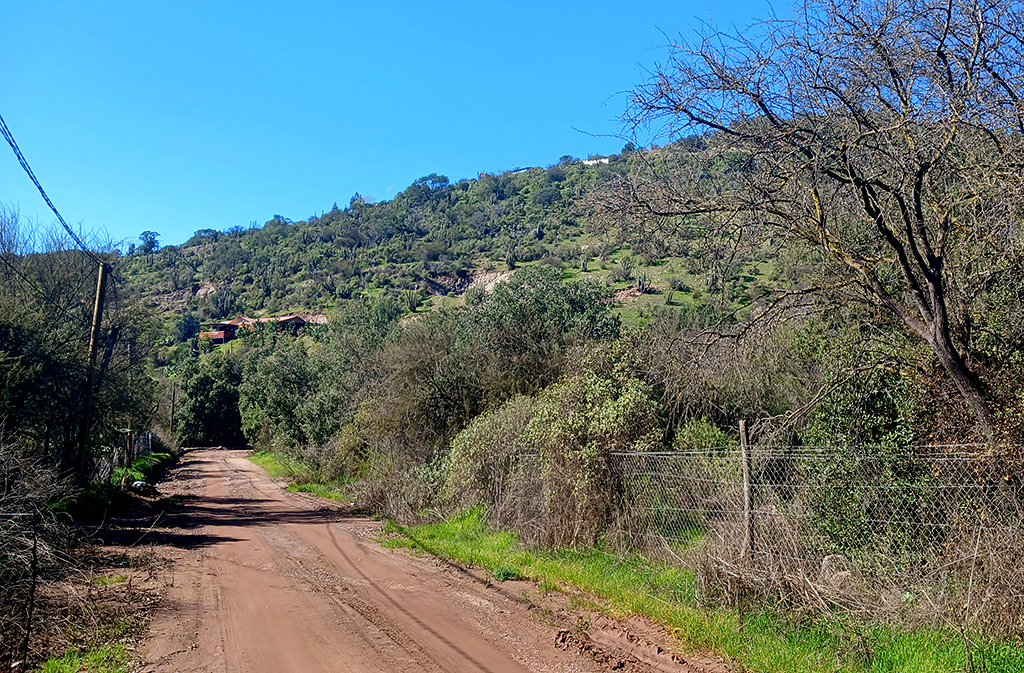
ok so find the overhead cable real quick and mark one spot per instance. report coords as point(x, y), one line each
point(42, 295)
point(28, 169)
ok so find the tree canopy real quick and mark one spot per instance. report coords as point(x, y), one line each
point(886, 135)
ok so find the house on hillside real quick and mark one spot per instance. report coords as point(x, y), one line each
point(220, 332)
point(285, 323)
point(223, 332)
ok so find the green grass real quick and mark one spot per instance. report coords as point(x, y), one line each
point(104, 653)
point(759, 641)
point(104, 580)
point(142, 469)
point(280, 466)
point(113, 658)
point(334, 490)
point(277, 465)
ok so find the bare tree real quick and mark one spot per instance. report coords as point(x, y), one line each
point(887, 134)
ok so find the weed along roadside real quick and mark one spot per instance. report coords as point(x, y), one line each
point(298, 476)
point(124, 483)
point(94, 613)
point(753, 636)
point(755, 639)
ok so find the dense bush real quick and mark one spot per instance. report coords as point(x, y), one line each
point(208, 408)
point(485, 453)
point(542, 463)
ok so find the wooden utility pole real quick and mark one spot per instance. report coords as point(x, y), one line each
point(94, 337)
point(174, 392)
point(748, 514)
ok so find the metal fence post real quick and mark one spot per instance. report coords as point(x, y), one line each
point(748, 516)
point(34, 572)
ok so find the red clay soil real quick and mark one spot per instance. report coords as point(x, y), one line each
point(263, 580)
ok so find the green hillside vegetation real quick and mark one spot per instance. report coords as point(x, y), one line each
point(430, 241)
point(420, 243)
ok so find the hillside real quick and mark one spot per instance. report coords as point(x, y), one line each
point(433, 241)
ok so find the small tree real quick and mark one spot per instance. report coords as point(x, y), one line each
point(150, 242)
point(885, 134)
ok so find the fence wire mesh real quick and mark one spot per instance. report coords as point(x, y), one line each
point(922, 534)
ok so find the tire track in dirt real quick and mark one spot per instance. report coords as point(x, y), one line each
point(301, 557)
point(268, 581)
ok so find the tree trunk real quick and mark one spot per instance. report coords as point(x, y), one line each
point(965, 382)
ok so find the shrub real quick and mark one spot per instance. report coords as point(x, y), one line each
point(482, 453)
point(577, 424)
point(700, 433)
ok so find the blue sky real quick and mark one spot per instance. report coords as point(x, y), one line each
point(185, 115)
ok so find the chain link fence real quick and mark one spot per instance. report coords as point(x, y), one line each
point(920, 535)
point(932, 534)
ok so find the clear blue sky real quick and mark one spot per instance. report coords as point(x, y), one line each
point(186, 115)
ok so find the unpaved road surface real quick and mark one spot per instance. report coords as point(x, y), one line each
point(258, 579)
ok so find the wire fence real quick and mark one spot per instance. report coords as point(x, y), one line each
point(921, 534)
point(32, 534)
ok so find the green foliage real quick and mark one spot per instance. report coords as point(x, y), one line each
point(145, 468)
point(428, 233)
point(892, 507)
point(148, 242)
point(369, 388)
point(699, 433)
point(505, 573)
point(876, 415)
point(295, 392)
point(874, 408)
point(275, 379)
point(186, 328)
point(302, 477)
point(597, 407)
point(481, 454)
point(279, 465)
point(530, 322)
point(577, 423)
point(208, 409)
point(46, 299)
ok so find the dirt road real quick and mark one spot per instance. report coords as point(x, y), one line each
point(263, 580)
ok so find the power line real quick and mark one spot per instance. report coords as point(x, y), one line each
point(43, 295)
point(28, 169)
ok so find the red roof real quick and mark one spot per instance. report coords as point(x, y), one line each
point(212, 335)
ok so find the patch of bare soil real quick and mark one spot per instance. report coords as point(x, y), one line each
point(488, 279)
point(313, 317)
point(255, 578)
